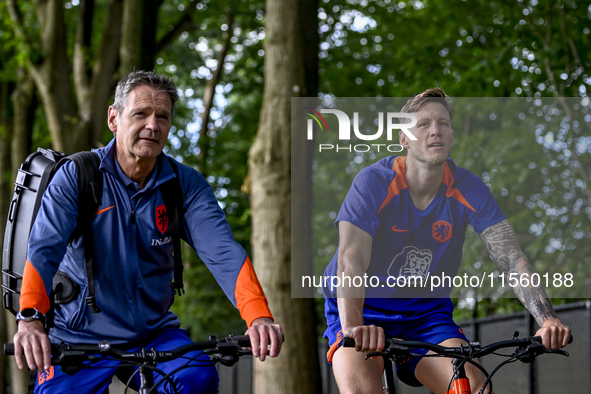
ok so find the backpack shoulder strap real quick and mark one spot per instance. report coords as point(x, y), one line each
point(90, 191)
point(172, 194)
point(90, 185)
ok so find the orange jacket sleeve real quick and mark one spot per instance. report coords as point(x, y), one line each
point(250, 298)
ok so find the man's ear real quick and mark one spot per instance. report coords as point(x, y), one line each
point(112, 119)
point(403, 139)
point(452, 137)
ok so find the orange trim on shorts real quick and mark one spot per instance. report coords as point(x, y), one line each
point(333, 348)
point(399, 181)
point(448, 179)
point(44, 376)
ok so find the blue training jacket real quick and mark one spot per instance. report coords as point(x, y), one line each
point(133, 264)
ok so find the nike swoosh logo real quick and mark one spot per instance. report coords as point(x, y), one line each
point(104, 210)
point(398, 230)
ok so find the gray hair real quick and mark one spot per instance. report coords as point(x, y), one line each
point(143, 78)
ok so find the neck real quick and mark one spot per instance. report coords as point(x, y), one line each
point(423, 181)
point(135, 168)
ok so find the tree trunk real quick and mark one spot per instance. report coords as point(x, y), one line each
point(5, 171)
point(270, 174)
point(76, 107)
point(20, 129)
point(148, 34)
point(53, 79)
point(93, 89)
point(130, 52)
point(138, 39)
point(24, 102)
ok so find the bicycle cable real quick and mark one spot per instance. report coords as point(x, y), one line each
point(501, 354)
point(468, 359)
point(458, 367)
point(129, 380)
point(135, 364)
point(453, 377)
point(489, 379)
point(165, 377)
point(204, 363)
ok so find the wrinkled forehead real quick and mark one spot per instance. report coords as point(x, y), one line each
point(144, 94)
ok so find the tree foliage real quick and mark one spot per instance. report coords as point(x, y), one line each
point(538, 174)
point(368, 48)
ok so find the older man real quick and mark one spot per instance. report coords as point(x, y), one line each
point(133, 274)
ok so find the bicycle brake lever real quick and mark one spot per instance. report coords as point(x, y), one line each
point(558, 351)
point(228, 359)
point(374, 354)
point(392, 352)
point(529, 354)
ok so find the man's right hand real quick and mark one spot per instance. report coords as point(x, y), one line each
point(367, 338)
point(32, 341)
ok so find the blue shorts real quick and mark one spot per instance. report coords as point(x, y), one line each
point(201, 377)
point(433, 327)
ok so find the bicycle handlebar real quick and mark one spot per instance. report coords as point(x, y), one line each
point(473, 349)
point(526, 350)
point(61, 351)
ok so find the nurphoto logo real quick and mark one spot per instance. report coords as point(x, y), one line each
point(345, 129)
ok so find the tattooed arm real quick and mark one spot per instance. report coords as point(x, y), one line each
point(503, 248)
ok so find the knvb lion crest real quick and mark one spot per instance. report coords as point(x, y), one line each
point(442, 231)
point(412, 261)
point(161, 218)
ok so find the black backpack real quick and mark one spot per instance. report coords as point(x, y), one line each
point(32, 179)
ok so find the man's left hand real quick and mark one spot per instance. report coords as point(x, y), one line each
point(554, 334)
point(264, 332)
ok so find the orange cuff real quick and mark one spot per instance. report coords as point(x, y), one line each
point(33, 292)
point(255, 310)
point(250, 297)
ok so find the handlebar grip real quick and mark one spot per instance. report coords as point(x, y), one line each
point(242, 340)
point(350, 342)
point(9, 349)
point(539, 339)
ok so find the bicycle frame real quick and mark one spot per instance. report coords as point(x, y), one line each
point(460, 382)
point(389, 379)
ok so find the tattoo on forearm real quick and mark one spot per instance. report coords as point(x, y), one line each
point(503, 248)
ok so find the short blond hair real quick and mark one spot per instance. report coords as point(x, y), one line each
point(418, 101)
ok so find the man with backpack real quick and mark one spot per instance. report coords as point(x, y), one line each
point(127, 297)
